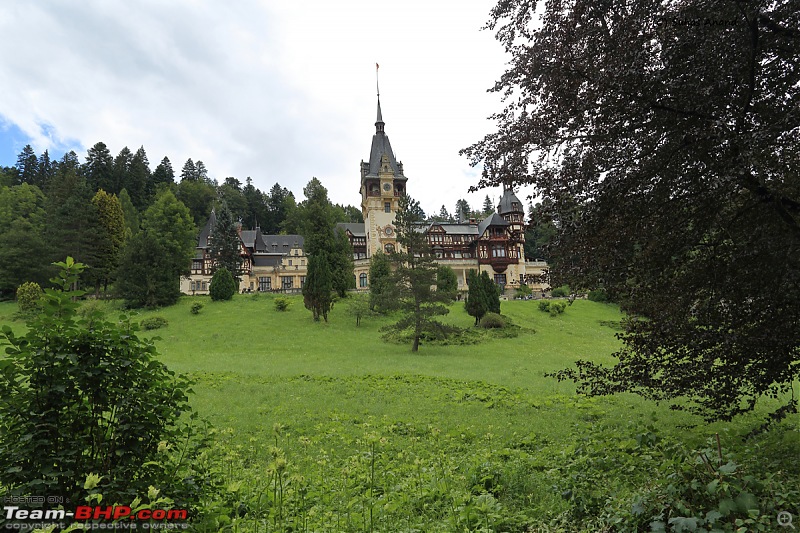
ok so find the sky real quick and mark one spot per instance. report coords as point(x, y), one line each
point(276, 90)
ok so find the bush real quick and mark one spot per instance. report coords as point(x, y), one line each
point(560, 292)
point(196, 307)
point(492, 320)
point(154, 322)
point(524, 291)
point(29, 297)
point(90, 308)
point(282, 303)
point(598, 295)
point(223, 286)
point(107, 409)
point(554, 308)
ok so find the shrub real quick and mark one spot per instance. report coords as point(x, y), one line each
point(196, 307)
point(29, 297)
point(105, 409)
point(492, 320)
point(598, 295)
point(560, 292)
point(554, 308)
point(282, 303)
point(524, 291)
point(90, 308)
point(154, 322)
point(223, 286)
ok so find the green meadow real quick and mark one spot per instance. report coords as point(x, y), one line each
point(327, 427)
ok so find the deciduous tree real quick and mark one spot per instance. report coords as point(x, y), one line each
point(667, 136)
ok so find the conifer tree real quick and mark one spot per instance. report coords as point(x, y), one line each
point(225, 247)
point(475, 303)
point(99, 168)
point(379, 271)
point(318, 288)
point(412, 283)
point(27, 165)
point(112, 233)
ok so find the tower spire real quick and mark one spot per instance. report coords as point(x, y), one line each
point(379, 124)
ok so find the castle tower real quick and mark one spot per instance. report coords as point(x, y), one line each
point(510, 208)
point(382, 185)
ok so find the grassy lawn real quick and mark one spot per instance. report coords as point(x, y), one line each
point(374, 437)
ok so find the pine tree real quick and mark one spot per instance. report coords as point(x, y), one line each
point(27, 165)
point(122, 167)
point(99, 168)
point(225, 248)
point(488, 208)
point(130, 212)
point(318, 288)
point(112, 233)
point(163, 175)
point(379, 271)
point(189, 172)
point(412, 284)
point(475, 304)
point(342, 264)
point(44, 170)
point(138, 183)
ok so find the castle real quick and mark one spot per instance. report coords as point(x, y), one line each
point(278, 263)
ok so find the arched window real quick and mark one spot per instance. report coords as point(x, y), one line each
point(362, 280)
point(389, 248)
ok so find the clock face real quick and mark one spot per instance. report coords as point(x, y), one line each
point(387, 187)
point(388, 231)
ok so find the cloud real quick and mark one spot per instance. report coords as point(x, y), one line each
point(278, 91)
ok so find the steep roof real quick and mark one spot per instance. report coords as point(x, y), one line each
point(202, 239)
point(380, 146)
point(358, 229)
point(281, 242)
point(507, 203)
point(493, 220)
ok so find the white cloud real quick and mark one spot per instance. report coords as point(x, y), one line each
point(279, 91)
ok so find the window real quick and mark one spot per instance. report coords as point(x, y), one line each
point(387, 207)
point(362, 280)
point(205, 286)
point(389, 248)
point(192, 286)
point(290, 262)
point(498, 251)
point(500, 279)
point(264, 284)
point(287, 282)
point(197, 265)
point(302, 281)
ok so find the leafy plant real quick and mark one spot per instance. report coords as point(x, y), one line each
point(560, 292)
point(87, 396)
point(154, 322)
point(196, 307)
point(282, 303)
point(29, 297)
point(598, 295)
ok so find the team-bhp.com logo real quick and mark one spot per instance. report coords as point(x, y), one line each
point(120, 516)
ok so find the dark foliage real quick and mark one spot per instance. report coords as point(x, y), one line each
point(666, 138)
